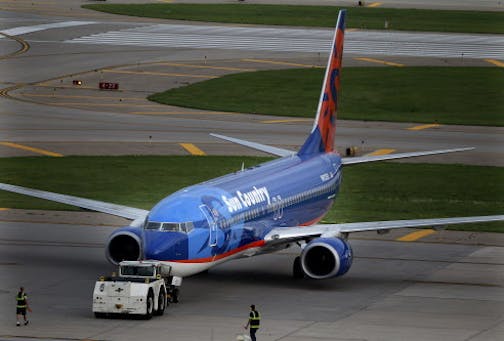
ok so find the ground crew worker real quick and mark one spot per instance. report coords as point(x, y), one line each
point(21, 306)
point(254, 321)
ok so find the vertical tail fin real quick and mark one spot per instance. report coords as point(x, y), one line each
point(321, 139)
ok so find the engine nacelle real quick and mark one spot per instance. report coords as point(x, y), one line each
point(125, 244)
point(326, 257)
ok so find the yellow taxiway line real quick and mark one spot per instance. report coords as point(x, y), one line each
point(191, 148)
point(375, 4)
point(4, 209)
point(411, 237)
point(211, 67)
point(495, 62)
point(274, 62)
point(181, 113)
point(105, 104)
point(24, 46)
point(424, 126)
point(381, 152)
point(30, 149)
point(82, 96)
point(378, 61)
point(287, 120)
point(60, 86)
point(163, 74)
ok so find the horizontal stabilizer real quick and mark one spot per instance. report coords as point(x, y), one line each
point(375, 158)
point(262, 147)
point(93, 205)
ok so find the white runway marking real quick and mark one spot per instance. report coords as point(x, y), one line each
point(304, 40)
point(29, 29)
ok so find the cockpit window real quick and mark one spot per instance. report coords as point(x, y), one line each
point(175, 227)
point(152, 225)
point(188, 226)
point(185, 227)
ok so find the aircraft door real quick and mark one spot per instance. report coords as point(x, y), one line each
point(278, 213)
point(212, 223)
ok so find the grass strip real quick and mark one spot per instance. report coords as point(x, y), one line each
point(448, 95)
point(380, 191)
point(318, 16)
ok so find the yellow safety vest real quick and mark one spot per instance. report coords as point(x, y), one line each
point(21, 300)
point(255, 319)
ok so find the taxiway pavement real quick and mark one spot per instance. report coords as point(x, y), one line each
point(394, 291)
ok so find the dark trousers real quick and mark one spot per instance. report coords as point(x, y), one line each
point(252, 333)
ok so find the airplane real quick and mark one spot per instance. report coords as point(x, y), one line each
point(258, 210)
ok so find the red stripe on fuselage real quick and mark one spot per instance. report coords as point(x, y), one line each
point(314, 221)
point(258, 243)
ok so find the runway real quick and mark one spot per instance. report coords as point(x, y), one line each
point(447, 286)
point(302, 40)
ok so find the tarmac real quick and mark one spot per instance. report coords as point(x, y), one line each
point(444, 287)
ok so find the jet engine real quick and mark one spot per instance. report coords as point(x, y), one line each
point(326, 258)
point(124, 244)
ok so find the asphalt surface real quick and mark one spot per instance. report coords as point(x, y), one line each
point(435, 290)
point(446, 286)
point(43, 109)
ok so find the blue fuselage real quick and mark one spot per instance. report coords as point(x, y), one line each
point(219, 218)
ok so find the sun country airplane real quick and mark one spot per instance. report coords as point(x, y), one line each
point(258, 210)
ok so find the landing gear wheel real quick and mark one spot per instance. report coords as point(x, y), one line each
point(161, 303)
point(297, 269)
point(150, 306)
point(100, 315)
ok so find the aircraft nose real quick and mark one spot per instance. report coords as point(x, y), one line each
point(165, 245)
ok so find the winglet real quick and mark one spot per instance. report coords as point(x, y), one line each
point(321, 139)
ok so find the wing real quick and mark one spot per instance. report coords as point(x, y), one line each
point(363, 159)
point(284, 234)
point(254, 145)
point(93, 205)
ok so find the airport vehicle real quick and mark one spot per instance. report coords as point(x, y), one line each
point(258, 210)
point(140, 288)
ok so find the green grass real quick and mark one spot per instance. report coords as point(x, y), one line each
point(449, 95)
point(385, 191)
point(390, 191)
point(319, 16)
point(138, 181)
